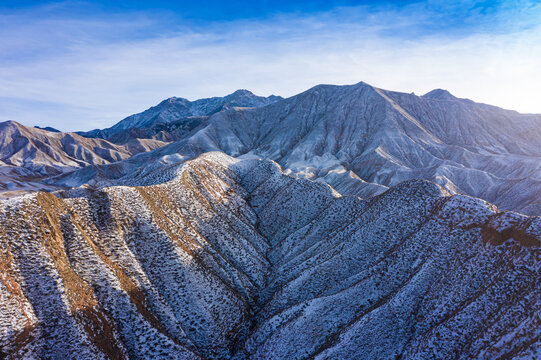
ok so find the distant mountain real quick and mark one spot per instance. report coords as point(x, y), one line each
point(167, 132)
point(180, 111)
point(219, 258)
point(28, 154)
point(48, 128)
point(362, 140)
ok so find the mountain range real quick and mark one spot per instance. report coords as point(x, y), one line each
point(29, 155)
point(181, 110)
point(346, 222)
point(359, 139)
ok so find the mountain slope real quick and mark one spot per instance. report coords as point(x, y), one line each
point(363, 140)
point(28, 154)
point(222, 258)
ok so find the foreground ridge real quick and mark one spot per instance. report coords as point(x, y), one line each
point(222, 258)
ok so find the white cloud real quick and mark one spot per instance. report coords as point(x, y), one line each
point(82, 74)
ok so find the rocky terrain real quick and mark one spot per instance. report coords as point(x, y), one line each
point(222, 258)
point(28, 155)
point(361, 140)
point(346, 222)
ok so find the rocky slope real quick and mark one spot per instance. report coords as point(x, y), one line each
point(363, 140)
point(220, 258)
point(29, 154)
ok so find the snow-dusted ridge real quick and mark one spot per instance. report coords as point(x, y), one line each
point(28, 155)
point(362, 140)
point(221, 258)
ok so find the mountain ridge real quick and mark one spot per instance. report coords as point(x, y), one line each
point(361, 140)
point(358, 138)
point(176, 108)
point(221, 258)
point(28, 154)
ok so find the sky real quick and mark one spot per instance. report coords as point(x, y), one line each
point(77, 65)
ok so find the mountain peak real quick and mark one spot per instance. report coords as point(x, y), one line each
point(242, 92)
point(177, 108)
point(175, 99)
point(439, 94)
point(9, 124)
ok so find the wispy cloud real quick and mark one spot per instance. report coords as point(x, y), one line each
point(81, 70)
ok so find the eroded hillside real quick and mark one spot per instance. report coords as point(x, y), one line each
point(28, 155)
point(223, 258)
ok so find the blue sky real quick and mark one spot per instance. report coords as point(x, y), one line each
point(204, 10)
point(82, 65)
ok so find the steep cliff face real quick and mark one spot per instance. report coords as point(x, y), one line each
point(224, 258)
point(362, 140)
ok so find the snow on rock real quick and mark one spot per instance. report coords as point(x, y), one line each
point(225, 258)
point(28, 155)
point(362, 140)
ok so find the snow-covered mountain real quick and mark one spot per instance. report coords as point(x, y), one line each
point(221, 258)
point(29, 154)
point(180, 110)
point(362, 140)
